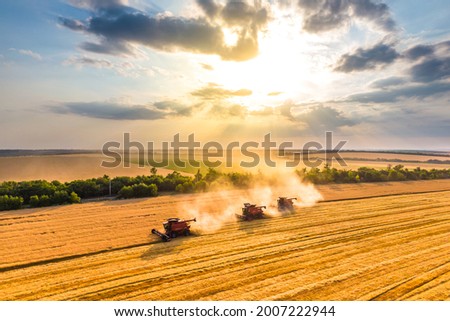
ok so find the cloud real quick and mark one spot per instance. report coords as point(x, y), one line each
point(239, 13)
point(394, 94)
point(315, 119)
point(388, 82)
point(433, 62)
point(206, 66)
point(175, 108)
point(87, 61)
point(235, 12)
point(106, 6)
point(275, 93)
point(428, 50)
point(223, 110)
point(209, 7)
point(126, 68)
point(28, 53)
point(322, 118)
point(115, 48)
point(431, 70)
point(72, 24)
point(117, 26)
point(122, 111)
point(326, 15)
point(365, 59)
point(108, 110)
point(419, 51)
point(410, 122)
point(215, 92)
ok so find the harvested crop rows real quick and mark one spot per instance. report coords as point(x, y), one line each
point(377, 248)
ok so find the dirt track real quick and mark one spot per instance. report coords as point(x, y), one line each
point(381, 248)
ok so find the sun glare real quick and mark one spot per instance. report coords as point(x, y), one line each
point(284, 69)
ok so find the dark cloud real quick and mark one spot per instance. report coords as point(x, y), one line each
point(164, 33)
point(115, 48)
point(209, 7)
point(235, 12)
point(419, 51)
point(110, 7)
point(364, 59)
point(326, 15)
point(117, 26)
point(240, 13)
point(388, 82)
point(215, 92)
point(427, 50)
point(112, 111)
point(397, 93)
point(431, 70)
point(72, 24)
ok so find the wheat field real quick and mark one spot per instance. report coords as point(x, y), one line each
point(375, 247)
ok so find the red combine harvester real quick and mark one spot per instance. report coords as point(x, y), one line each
point(286, 204)
point(174, 227)
point(251, 212)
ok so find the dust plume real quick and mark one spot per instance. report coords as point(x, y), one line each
point(213, 215)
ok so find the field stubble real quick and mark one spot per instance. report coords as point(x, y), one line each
point(376, 248)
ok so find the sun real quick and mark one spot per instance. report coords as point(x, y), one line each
point(283, 69)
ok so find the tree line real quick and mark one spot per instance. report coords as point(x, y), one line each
point(40, 193)
point(328, 175)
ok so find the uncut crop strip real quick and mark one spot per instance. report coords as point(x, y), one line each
point(380, 248)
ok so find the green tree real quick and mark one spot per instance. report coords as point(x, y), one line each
point(74, 198)
point(34, 201)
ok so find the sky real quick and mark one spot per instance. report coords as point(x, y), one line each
point(80, 73)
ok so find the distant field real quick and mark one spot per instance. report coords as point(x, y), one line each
point(63, 168)
point(69, 167)
point(377, 247)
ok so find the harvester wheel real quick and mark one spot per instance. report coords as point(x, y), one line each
point(187, 232)
point(174, 235)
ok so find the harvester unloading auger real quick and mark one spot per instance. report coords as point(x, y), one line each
point(286, 204)
point(251, 212)
point(174, 227)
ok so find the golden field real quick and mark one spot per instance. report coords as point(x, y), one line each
point(64, 168)
point(384, 241)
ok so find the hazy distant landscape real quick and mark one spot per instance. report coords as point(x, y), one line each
point(70, 165)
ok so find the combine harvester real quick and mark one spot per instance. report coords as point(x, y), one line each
point(286, 204)
point(251, 212)
point(174, 227)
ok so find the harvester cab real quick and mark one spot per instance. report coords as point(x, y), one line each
point(251, 212)
point(173, 228)
point(286, 204)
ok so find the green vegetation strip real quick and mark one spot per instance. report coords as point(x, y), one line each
point(40, 193)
